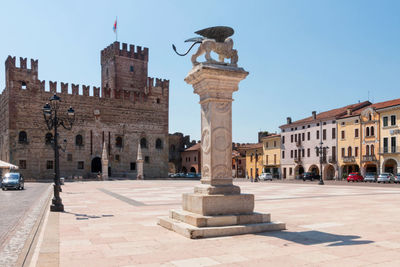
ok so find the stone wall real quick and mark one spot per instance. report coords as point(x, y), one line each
point(117, 112)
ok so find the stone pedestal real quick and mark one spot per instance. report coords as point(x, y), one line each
point(217, 207)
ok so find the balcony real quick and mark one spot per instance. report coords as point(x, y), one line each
point(349, 159)
point(297, 160)
point(298, 143)
point(332, 159)
point(369, 158)
point(389, 150)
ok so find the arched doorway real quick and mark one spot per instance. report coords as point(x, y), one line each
point(329, 172)
point(96, 164)
point(184, 170)
point(193, 169)
point(390, 165)
point(314, 169)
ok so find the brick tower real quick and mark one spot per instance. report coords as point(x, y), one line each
point(123, 69)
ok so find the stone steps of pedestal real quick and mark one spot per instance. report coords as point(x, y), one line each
point(199, 220)
point(191, 231)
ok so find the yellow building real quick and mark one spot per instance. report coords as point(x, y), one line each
point(254, 159)
point(389, 149)
point(370, 140)
point(349, 143)
point(271, 154)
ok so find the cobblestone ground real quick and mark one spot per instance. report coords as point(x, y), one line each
point(19, 210)
point(114, 224)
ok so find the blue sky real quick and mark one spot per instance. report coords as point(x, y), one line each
point(301, 55)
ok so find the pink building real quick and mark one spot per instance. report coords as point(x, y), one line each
point(191, 159)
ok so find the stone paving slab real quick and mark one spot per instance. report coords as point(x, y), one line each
point(327, 225)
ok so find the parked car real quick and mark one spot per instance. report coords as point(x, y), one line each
point(386, 177)
point(370, 177)
point(266, 176)
point(12, 180)
point(355, 177)
point(310, 176)
point(397, 178)
point(191, 175)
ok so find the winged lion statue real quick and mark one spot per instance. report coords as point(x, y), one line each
point(214, 39)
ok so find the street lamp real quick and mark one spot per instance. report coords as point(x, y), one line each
point(52, 122)
point(321, 151)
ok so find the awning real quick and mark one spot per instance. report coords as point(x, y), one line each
point(6, 165)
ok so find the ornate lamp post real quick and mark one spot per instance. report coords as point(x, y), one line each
point(52, 122)
point(321, 151)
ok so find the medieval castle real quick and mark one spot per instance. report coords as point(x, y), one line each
point(130, 109)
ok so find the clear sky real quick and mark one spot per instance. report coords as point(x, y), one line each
point(301, 55)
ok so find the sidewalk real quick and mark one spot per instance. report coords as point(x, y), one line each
point(113, 223)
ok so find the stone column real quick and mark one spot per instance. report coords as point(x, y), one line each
point(104, 163)
point(217, 208)
point(139, 164)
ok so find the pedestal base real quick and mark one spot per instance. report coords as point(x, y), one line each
point(193, 225)
point(218, 204)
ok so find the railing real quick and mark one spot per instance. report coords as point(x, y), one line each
point(332, 159)
point(349, 159)
point(389, 150)
point(369, 158)
point(297, 160)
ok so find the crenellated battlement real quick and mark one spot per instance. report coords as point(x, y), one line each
point(157, 82)
point(115, 49)
point(11, 64)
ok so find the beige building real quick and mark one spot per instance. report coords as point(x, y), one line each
point(271, 154)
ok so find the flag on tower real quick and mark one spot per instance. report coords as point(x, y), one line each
point(115, 26)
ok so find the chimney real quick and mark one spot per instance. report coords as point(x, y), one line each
point(314, 115)
point(289, 120)
point(349, 111)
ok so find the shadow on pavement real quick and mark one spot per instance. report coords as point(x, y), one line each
point(316, 237)
point(80, 216)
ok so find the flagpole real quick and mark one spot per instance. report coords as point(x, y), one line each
point(116, 29)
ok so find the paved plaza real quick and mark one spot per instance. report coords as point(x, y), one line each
point(114, 223)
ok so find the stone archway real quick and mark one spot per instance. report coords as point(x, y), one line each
point(96, 164)
point(329, 172)
point(314, 169)
point(390, 165)
point(193, 169)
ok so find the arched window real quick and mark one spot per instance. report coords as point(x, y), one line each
point(372, 131)
point(79, 140)
point(367, 148)
point(159, 144)
point(22, 137)
point(349, 151)
point(372, 150)
point(48, 138)
point(143, 143)
point(367, 131)
point(118, 141)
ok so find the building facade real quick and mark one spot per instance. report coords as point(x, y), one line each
point(128, 109)
point(389, 149)
point(191, 159)
point(254, 160)
point(300, 139)
point(272, 154)
point(349, 144)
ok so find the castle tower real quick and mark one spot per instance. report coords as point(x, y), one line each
point(123, 68)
